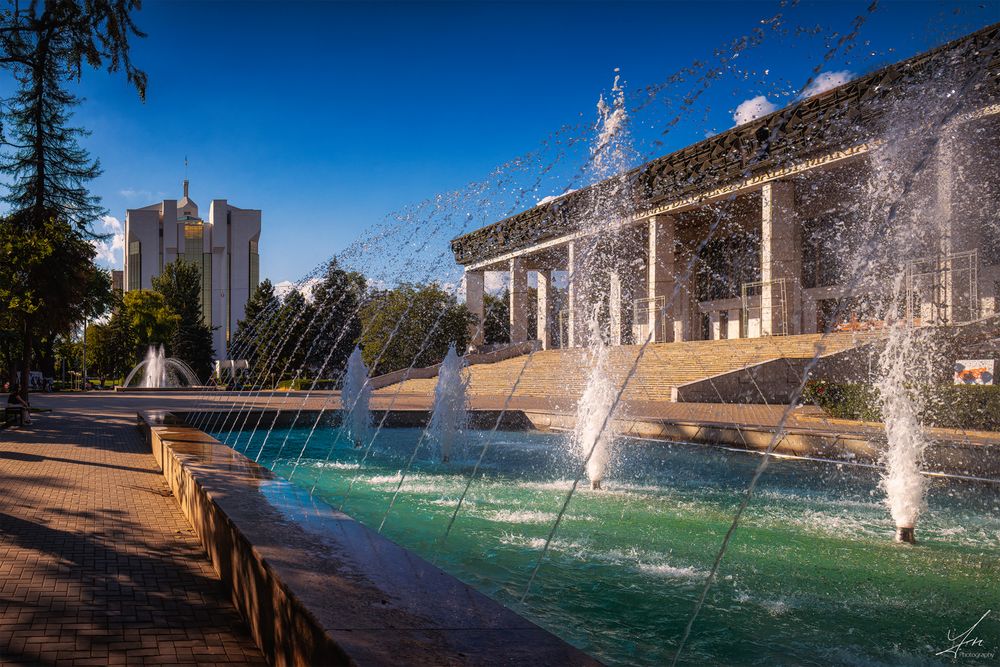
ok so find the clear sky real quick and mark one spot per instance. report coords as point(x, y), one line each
point(329, 116)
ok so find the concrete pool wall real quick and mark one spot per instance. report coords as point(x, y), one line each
point(316, 587)
point(951, 451)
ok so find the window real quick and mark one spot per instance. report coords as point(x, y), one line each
point(725, 263)
point(194, 235)
point(254, 266)
point(134, 265)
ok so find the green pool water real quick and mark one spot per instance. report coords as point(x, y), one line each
point(811, 577)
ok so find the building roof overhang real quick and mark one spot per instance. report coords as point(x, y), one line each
point(846, 120)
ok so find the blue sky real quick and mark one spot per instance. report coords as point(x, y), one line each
point(329, 116)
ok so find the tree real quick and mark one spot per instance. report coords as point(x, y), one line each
point(46, 278)
point(337, 299)
point(101, 353)
point(294, 326)
point(425, 318)
point(191, 339)
point(257, 326)
point(45, 44)
point(148, 319)
point(496, 325)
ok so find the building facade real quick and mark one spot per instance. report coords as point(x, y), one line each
point(224, 247)
point(751, 232)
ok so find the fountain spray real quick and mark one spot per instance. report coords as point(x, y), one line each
point(450, 403)
point(354, 398)
point(596, 403)
point(600, 253)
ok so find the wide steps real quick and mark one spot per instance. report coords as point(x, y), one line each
point(563, 373)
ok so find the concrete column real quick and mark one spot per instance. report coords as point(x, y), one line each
point(946, 309)
point(639, 290)
point(735, 319)
point(660, 279)
point(682, 316)
point(715, 325)
point(542, 328)
point(573, 279)
point(780, 257)
point(475, 288)
point(615, 306)
point(518, 300)
point(809, 315)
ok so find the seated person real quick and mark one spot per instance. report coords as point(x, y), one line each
point(15, 400)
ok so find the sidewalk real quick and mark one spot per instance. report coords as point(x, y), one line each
point(97, 564)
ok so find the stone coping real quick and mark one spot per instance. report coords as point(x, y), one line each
point(317, 587)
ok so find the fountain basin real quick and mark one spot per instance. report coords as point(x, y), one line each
point(810, 576)
point(156, 390)
point(316, 586)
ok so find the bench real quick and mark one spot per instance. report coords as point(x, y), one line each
point(15, 413)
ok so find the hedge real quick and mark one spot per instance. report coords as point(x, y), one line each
point(975, 407)
point(304, 384)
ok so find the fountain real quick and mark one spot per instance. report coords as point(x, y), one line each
point(592, 436)
point(611, 154)
point(654, 531)
point(450, 411)
point(157, 371)
point(354, 398)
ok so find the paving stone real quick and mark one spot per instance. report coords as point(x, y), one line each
point(97, 564)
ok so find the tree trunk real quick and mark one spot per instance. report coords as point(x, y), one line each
point(47, 356)
point(25, 361)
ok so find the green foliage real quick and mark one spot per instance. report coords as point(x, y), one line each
point(337, 300)
point(497, 316)
point(293, 327)
point(191, 340)
point(305, 384)
point(46, 45)
point(257, 328)
point(974, 407)
point(148, 319)
point(844, 400)
point(496, 328)
point(48, 281)
point(103, 356)
point(417, 313)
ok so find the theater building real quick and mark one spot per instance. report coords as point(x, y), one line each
point(753, 232)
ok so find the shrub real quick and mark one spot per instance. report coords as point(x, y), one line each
point(844, 400)
point(975, 407)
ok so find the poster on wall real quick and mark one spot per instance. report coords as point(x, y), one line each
point(974, 371)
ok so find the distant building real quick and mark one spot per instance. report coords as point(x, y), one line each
point(224, 248)
point(117, 281)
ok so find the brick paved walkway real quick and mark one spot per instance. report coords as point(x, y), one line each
point(97, 564)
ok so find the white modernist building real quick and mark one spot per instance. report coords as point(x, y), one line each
point(224, 248)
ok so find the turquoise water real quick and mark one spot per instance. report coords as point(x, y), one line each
point(811, 576)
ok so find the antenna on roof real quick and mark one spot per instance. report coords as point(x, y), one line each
point(185, 175)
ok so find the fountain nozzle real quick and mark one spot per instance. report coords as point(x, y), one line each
point(905, 534)
point(595, 484)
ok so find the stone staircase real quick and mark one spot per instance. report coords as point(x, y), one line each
point(664, 366)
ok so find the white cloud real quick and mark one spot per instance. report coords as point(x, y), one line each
point(753, 108)
point(130, 193)
point(305, 289)
point(827, 81)
point(496, 281)
point(546, 200)
point(111, 251)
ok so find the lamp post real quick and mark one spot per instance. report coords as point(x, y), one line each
point(85, 353)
